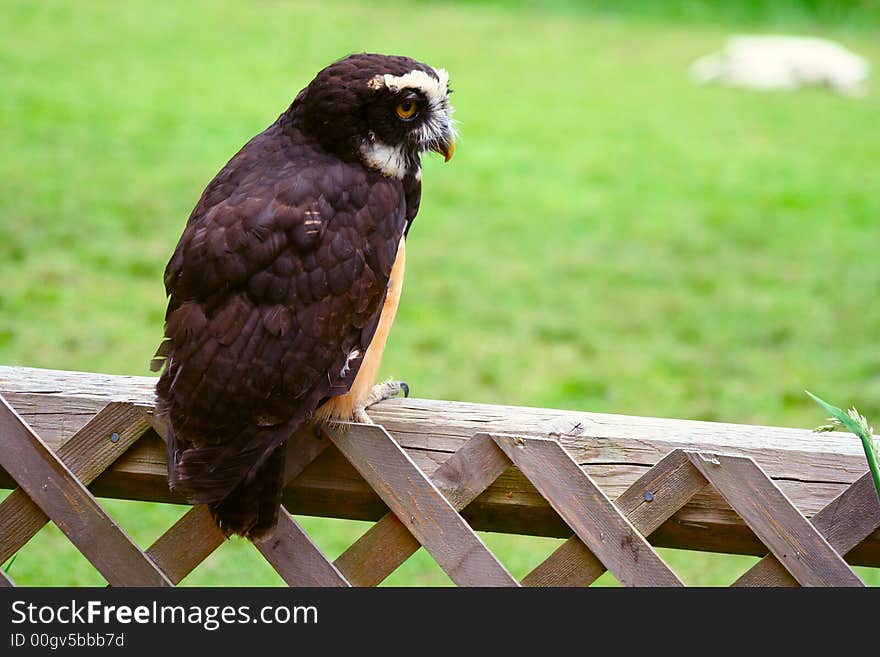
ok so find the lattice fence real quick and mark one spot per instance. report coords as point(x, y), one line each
point(424, 511)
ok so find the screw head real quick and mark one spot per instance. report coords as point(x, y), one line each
point(114, 437)
point(649, 496)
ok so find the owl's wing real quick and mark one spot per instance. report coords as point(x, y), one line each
point(271, 289)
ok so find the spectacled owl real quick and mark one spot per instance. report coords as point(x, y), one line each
point(286, 280)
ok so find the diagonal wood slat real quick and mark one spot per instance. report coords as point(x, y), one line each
point(845, 522)
point(588, 511)
point(87, 454)
point(296, 557)
point(424, 509)
point(388, 543)
point(775, 520)
point(671, 483)
point(194, 537)
point(811, 469)
point(62, 497)
point(420, 506)
point(187, 543)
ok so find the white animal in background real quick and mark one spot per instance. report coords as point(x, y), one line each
point(784, 62)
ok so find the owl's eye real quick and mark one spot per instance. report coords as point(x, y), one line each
point(407, 109)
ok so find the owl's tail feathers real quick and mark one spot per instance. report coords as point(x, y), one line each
point(240, 482)
point(251, 509)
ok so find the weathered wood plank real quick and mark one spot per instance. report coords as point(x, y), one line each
point(660, 492)
point(5, 580)
point(844, 523)
point(420, 506)
point(647, 504)
point(851, 516)
point(588, 511)
point(69, 504)
point(776, 521)
point(380, 551)
point(444, 426)
point(187, 543)
point(811, 469)
point(331, 487)
point(303, 448)
point(87, 454)
point(295, 556)
point(386, 545)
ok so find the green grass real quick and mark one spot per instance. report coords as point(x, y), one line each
point(609, 237)
point(789, 15)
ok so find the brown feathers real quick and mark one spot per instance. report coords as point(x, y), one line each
point(279, 275)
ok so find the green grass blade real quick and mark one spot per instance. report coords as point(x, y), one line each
point(11, 561)
point(861, 430)
point(839, 414)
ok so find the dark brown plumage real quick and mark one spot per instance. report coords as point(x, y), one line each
point(276, 285)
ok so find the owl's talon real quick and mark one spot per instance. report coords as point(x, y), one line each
point(386, 390)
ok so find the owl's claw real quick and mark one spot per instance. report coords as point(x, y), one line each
point(386, 390)
point(380, 392)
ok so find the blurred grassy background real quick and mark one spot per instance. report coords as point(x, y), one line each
point(609, 237)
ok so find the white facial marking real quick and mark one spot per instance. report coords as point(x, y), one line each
point(435, 90)
point(390, 160)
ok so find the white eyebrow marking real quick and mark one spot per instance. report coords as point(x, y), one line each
point(435, 89)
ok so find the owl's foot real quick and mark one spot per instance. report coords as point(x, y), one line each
point(386, 390)
point(380, 392)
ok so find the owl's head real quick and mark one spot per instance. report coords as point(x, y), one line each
point(383, 110)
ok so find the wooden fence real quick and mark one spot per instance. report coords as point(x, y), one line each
point(432, 472)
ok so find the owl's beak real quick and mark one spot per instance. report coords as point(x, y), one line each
point(445, 148)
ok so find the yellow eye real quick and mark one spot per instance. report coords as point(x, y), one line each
point(407, 109)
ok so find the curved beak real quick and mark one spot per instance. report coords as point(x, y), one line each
point(446, 148)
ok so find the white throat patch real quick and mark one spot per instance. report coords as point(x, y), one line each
point(390, 160)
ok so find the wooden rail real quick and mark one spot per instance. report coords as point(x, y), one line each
point(674, 483)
